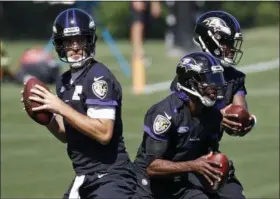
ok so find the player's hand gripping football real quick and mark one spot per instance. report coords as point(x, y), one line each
point(48, 100)
point(206, 168)
point(248, 128)
point(229, 120)
point(233, 127)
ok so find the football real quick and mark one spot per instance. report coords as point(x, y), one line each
point(243, 114)
point(42, 117)
point(221, 158)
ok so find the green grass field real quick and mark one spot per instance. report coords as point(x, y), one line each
point(35, 165)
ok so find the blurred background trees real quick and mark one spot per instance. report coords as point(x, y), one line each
point(29, 20)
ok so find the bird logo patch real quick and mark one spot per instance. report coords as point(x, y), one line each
point(100, 88)
point(161, 124)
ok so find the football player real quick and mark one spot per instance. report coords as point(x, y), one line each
point(35, 62)
point(219, 33)
point(87, 112)
point(180, 132)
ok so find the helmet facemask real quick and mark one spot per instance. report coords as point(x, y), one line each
point(87, 47)
point(231, 50)
point(208, 87)
point(226, 48)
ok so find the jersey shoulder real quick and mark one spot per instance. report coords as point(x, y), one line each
point(165, 115)
point(173, 85)
point(231, 73)
point(99, 69)
point(101, 86)
point(161, 107)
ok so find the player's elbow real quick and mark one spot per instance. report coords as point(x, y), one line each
point(63, 139)
point(107, 134)
point(105, 138)
point(150, 171)
point(101, 131)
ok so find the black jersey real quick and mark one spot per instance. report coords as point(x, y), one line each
point(172, 133)
point(96, 85)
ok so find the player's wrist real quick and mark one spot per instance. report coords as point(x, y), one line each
point(189, 166)
point(64, 109)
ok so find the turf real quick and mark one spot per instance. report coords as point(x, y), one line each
point(35, 165)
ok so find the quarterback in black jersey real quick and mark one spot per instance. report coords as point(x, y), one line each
point(87, 113)
point(180, 132)
point(219, 33)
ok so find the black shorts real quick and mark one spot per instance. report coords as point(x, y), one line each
point(231, 190)
point(185, 190)
point(143, 189)
point(143, 16)
point(115, 183)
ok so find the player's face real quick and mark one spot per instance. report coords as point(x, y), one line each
point(75, 46)
point(210, 92)
point(228, 51)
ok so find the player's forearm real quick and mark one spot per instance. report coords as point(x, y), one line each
point(93, 128)
point(239, 99)
point(165, 167)
point(56, 127)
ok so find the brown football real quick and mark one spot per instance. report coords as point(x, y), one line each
point(42, 117)
point(243, 114)
point(221, 158)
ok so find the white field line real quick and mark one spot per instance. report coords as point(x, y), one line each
point(252, 68)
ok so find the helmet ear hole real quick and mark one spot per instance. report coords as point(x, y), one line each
point(217, 52)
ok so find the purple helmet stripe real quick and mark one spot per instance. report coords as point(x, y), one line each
point(74, 17)
point(67, 20)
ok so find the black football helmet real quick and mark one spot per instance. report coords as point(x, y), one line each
point(73, 22)
point(197, 72)
point(218, 33)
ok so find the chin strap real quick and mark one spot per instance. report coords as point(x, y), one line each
point(80, 63)
point(205, 100)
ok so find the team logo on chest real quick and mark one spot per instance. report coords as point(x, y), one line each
point(161, 124)
point(100, 87)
